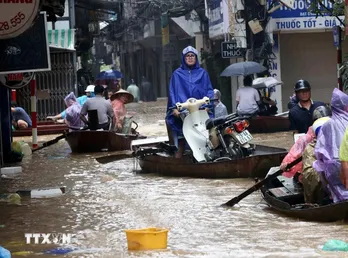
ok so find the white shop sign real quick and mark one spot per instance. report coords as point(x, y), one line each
point(16, 16)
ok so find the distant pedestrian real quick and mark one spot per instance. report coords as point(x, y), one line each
point(134, 90)
point(220, 109)
point(146, 93)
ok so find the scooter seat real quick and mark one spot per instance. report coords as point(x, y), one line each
point(210, 123)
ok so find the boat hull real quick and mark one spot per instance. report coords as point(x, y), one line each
point(43, 128)
point(97, 141)
point(269, 124)
point(325, 213)
point(252, 166)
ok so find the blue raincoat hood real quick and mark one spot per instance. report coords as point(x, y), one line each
point(187, 82)
point(187, 50)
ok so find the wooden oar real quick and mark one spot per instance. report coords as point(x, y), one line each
point(49, 143)
point(115, 157)
point(258, 185)
point(161, 147)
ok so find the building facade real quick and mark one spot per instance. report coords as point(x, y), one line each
point(305, 50)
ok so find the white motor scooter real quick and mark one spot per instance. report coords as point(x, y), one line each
point(194, 129)
point(214, 139)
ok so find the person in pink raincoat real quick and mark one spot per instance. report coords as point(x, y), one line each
point(300, 145)
point(118, 102)
point(72, 117)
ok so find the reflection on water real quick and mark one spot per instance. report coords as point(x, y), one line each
point(103, 200)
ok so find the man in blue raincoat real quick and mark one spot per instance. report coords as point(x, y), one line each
point(188, 81)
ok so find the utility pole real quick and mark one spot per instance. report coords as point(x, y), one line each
point(337, 34)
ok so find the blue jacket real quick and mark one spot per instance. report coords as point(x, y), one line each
point(187, 83)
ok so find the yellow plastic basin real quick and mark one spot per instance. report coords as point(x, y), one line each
point(147, 238)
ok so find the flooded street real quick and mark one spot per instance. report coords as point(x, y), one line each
point(103, 200)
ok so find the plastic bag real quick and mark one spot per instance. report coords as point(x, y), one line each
point(4, 253)
point(335, 245)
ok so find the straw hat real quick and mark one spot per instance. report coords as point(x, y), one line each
point(130, 97)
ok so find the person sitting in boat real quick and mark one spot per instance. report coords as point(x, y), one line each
point(268, 106)
point(298, 148)
point(81, 100)
point(72, 117)
point(20, 118)
point(188, 81)
point(103, 107)
point(300, 116)
point(248, 98)
point(220, 109)
point(118, 102)
point(344, 160)
point(293, 101)
point(110, 93)
point(327, 147)
point(312, 187)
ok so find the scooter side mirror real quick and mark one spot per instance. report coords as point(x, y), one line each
point(179, 106)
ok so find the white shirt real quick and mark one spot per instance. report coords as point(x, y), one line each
point(247, 98)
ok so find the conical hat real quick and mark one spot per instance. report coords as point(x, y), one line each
point(130, 97)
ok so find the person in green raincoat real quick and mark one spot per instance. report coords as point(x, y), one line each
point(134, 90)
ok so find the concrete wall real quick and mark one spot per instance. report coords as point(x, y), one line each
point(309, 56)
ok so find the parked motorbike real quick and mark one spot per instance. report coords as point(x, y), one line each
point(218, 139)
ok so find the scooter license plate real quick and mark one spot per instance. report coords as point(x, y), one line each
point(244, 137)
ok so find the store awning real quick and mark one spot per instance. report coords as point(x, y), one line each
point(62, 39)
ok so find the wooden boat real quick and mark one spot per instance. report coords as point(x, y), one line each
point(96, 141)
point(256, 165)
point(269, 124)
point(43, 128)
point(259, 124)
point(282, 195)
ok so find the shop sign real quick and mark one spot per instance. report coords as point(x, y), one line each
point(231, 50)
point(16, 16)
point(29, 52)
point(299, 18)
point(16, 80)
point(216, 18)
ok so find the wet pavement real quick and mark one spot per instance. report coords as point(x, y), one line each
point(103, 200)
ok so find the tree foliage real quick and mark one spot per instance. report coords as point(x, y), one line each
point(321, 8)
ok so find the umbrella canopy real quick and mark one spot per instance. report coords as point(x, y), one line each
point(266, 82)
point(109, 75)
point(243, 68)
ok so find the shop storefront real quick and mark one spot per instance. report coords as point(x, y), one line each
point(306, 51)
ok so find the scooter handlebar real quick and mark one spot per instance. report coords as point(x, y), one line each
point(192, 102)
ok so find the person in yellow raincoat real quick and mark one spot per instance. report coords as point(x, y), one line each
point(344, 159)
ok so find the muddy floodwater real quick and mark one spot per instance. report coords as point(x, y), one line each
point(101, 201)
